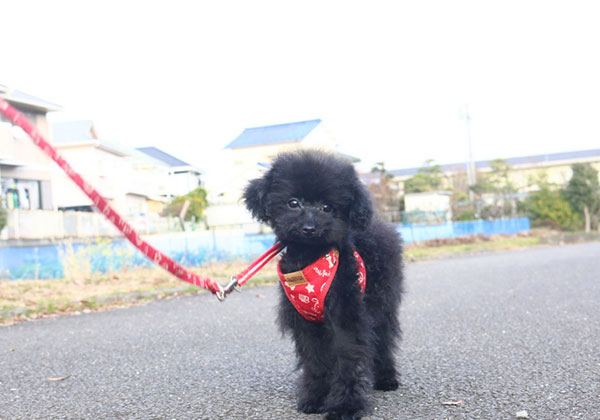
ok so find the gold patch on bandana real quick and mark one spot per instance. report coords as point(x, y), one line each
point(295, 279)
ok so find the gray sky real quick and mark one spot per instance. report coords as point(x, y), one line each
point(386, 77)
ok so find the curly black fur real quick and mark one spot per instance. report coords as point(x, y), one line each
point(314, 201)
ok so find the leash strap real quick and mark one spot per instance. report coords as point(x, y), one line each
point(115, 218)
point(245, 275)
point(238, 281)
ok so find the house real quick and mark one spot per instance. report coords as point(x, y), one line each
point(431, 207)
point(25, 171)
point(255, 147)
point(136, 181)
point(251, 152)
point(103, 164)
point(171, 176)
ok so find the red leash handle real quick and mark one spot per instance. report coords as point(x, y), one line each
point(115, 218)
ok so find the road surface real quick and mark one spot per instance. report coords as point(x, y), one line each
point(495, 334)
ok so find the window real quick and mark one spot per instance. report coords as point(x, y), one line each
point(20, 194)
point(17, 132)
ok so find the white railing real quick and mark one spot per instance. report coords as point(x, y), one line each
point(44, 224)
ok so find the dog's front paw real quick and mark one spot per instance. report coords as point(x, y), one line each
point(386, 384)
point(340, 415)
point(310, 407)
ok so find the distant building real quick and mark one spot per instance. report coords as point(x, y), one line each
point(251, 152)
point(25, 171)
point(135, 181)
point(431, 207)
point(103, 164)
point(175, 177)
point(526, 169)
point(256, 146)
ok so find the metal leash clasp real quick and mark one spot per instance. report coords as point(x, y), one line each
point(224, 291)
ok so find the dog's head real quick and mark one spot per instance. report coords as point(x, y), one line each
point(310, 197)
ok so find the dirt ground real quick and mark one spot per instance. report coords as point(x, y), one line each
point(84, 292)
point(463, 240)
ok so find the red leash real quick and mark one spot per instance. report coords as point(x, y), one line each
point(105, 208)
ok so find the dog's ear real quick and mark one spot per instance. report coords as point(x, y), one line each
point(255, 199)
point(361, 211)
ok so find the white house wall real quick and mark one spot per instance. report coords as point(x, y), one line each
point(182, 183)
point(150, 176)
point(231, 216)
point(321, 137)
point(112, 175)
point(428, 201)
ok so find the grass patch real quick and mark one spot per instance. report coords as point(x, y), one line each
point(85, 292)
point(32, 299)
point(416, 252)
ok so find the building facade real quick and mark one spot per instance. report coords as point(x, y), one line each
point(135, 181)
point(525, 170)
point(251, 153)
point(25, 171)
point(171, 176)
point(104, 165)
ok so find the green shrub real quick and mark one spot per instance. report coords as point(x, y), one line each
point(198, 203)
point(3, 218)
point(462, 208)
point(465, 216)
point(550, 208)
point(428, 178)
point(583, 193)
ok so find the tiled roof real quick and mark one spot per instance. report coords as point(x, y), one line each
point(77, 132)
point(162, 156)
point(21, 98)
point(274, 134)
point(522, 160)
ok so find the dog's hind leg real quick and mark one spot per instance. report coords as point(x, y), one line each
point(385, 372)
point(386, 336)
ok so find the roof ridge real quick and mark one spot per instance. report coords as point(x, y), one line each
point(159, 154)
point(283, 124)
point(13, 95)
point(508, 159)
point(276, 133)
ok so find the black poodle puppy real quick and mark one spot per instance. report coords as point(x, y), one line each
point(344, 331)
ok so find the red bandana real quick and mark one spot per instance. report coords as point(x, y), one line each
point(307, 289)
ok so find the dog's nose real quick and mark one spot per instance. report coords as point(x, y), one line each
point(308, 230)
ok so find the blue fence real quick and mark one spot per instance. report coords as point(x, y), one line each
point(101, 256)
point(419, 233)
point(196, 248)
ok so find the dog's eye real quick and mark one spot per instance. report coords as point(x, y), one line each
point(327, 208)
point(293, 203)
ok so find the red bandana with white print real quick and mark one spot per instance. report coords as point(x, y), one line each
point(307, 289)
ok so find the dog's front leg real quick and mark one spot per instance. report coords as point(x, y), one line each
point(313, 347)
point(351, 379)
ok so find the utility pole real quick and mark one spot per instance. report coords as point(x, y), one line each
point(471, 176)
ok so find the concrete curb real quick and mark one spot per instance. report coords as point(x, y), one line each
point(570, 238)
point(107, 300)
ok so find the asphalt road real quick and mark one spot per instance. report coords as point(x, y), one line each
point(503, 333)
